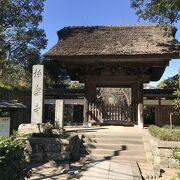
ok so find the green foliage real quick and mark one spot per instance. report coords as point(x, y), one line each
point(158, 11)
point(169, 135)
point(20, 39)
point(154, 130)
point(13, 159)
point(176, 177)
point(176, 156)
point(168, 127)
point(48, 127)
point(176, 153)
point(164, 133)
point(73, 84)
point(170, 83)
point(173, 83)
point(114, 95)
point(177, 102)
point(14, 76)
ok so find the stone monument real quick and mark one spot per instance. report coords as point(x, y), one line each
point(37, 94)
point(36, 125)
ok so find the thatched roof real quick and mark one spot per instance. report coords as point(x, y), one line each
point(12, 105)
point(115, 40)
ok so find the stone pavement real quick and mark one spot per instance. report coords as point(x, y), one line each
point(93, 170)
point(90, 170)
point(109, 169)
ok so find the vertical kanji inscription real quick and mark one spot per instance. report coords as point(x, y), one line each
point(37, 94)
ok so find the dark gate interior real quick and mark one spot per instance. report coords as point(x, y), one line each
point(149, 115)
point(78, 114)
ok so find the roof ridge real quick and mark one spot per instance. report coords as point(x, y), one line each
point(112, 26)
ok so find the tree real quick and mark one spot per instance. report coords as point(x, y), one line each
point(114, 95)
point(173, 83)
point(157, 11)
point(170, 83)
point(21, 39)
point(177, 100)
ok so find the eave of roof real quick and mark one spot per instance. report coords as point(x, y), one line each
point(12, 105)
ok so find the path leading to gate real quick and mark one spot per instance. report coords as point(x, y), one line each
point(115, 142)
point(93, 170)
point(111, 167)
point(109, 146)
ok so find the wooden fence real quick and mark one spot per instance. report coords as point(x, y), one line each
point(112, 113)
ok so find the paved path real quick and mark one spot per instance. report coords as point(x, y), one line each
point(91, 170)
point(108, 169)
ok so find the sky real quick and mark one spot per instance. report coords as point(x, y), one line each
point(60, 13)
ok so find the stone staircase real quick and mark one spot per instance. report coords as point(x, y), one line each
point(119, 143)
point(114, 146)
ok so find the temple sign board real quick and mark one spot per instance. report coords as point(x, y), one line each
point(37, 94)
point(4, 126)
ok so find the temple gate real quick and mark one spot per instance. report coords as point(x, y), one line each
point(115, 56)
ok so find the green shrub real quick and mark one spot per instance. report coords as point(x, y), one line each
point(168, 127)
point(176, 153)
point(13, 164)
point(48, 127)
point(165, 133)
point(176, 156)
point(176, 177)
point(154, 130)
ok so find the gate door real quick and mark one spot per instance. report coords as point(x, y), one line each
point(111, 114)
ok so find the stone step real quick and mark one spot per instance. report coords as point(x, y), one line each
point(110, 152)
point(112, 136)
point(112, 141)
point(113, 146)
point(141, 159)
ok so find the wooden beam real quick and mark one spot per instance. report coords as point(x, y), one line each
point(115, 79)
point(135, 63)
point(114, 58)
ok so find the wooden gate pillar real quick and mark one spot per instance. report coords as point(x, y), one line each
point(140, 104)
point(85, 113)
point(90, 96)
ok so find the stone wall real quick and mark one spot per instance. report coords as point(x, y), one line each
point(162, 152)
point(43, 149)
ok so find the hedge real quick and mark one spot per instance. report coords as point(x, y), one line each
point(13, 164)
point(165, 133)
